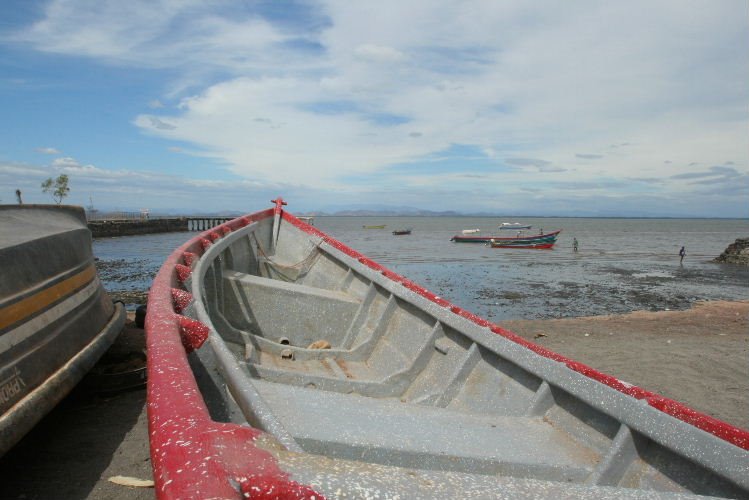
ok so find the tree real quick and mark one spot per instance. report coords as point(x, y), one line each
point(58, 188)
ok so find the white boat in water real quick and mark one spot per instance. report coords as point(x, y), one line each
point(514, 225)
point(284, 364)
point(470, 231)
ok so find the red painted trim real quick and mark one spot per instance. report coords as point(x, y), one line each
point(191, 455)
point(180, 299)
point(705, 422)
point(189, 258)
point(193, 333)
point(183, 272)
point(723, 430)
point(279, 205)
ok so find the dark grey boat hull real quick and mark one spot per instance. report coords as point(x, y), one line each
point(56, 320)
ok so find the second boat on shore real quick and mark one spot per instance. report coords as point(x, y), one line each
point(56, 320)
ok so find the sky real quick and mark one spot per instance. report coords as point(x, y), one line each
point(585, 108)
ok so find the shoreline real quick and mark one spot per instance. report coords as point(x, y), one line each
point(696, 356)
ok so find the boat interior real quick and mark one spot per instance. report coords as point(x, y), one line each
point(356, 367)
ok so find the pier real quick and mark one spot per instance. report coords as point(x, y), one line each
point(132, 223)
point(201, 223)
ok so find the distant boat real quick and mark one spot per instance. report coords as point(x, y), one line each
point(532, 245)
point(520, 238)
point(400, 232)
point(308, 220)
point(514, 225)
point(538, 242)
point(380, 226)
point(471, 231)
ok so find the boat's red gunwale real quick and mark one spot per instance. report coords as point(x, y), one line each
point(191, 455)
point(184, 441)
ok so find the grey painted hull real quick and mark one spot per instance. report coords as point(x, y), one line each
point(410, 395)
point(55, 318)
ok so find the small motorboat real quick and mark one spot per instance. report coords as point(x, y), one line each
point(401, 232)
point(470, 231)
point(284, 364)
point(56, 320)
point(514, 225)
point(537, 242)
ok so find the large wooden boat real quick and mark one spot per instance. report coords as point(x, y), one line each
point(56, 320)
point(325, 375)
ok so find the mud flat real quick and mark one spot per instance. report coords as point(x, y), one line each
point(698, 356)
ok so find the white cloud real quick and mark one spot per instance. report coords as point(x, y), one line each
point(379, 53)
point(571, 77)
point(130, 188)
point(48, 151)
point(393, 82)
point(71, 165)
point(186, 34)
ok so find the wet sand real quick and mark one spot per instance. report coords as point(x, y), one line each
point(86, 439)
point(699, 357)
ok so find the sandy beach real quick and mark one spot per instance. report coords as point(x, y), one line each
point(699, 357)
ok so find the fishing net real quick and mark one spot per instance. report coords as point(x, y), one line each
point(272, 268)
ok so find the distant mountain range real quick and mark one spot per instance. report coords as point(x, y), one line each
point(403, 211)
point(386, 213)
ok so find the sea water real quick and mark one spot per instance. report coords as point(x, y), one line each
point(621, 264)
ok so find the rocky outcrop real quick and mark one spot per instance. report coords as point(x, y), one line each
point(736, 253)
